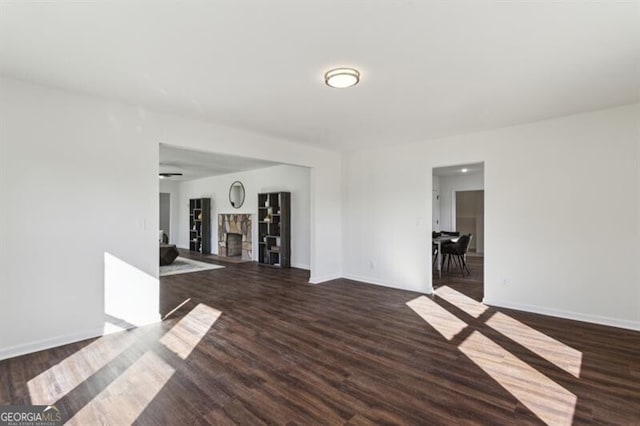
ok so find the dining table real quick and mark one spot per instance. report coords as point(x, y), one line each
point(439, 240)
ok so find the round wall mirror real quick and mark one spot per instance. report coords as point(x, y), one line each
point(236, 194)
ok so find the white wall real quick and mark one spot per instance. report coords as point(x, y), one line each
point(173, 188)
point(278, 178)
point(386, 228)
point(79, 179)
point(549, 186)
point(448, 184)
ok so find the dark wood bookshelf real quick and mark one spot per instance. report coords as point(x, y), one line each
point(200, 225)
point(274, 229)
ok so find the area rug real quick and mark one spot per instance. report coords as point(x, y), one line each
point(182, 265)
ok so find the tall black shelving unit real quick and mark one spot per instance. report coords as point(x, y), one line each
point(274, 229)
point(200, 225)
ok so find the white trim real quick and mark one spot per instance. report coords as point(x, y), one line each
point(454, 206)
point(435, 209)
point(595, 319)
point(48, 343)
point(374, 281)
point(318, 280)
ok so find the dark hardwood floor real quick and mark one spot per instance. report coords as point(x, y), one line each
point(255, 345)
point(471, 285)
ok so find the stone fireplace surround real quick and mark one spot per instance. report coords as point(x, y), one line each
point(233, 223)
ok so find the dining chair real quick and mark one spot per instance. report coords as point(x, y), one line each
point(444, 243)
point(434, 247)
point(457, 251)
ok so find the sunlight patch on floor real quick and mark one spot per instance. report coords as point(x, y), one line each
point(552, 403)
point(439, 318)
point(557, 353)
point(461, 301)
point(171, 312)
point(54, 383)
point(187, 333)
point(545, 398)
point(126, 397)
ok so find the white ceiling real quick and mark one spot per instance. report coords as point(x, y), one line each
point(429, 68)
point(196, 165)
point(457, 169)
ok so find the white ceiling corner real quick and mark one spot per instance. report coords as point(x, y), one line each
point(429, 68)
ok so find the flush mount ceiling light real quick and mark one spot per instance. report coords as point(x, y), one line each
point(464, 170)
point(165, 175)
point(341, 78)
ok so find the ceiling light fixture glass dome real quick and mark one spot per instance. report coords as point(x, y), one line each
point(341, 78)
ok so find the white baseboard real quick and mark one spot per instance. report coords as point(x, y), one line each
point(318, 280)
point(49, 343)
point(595, 319)
point(374, 281)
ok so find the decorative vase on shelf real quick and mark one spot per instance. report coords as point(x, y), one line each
point(266, 202)
point(200, 216)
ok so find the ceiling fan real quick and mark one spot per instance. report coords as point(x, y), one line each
point(168, 175)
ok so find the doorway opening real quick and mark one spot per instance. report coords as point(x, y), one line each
point(458, 228)
point(165, 217)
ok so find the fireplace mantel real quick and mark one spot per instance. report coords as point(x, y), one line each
point(235, 223)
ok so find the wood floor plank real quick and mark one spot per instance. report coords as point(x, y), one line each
point(285, 352)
